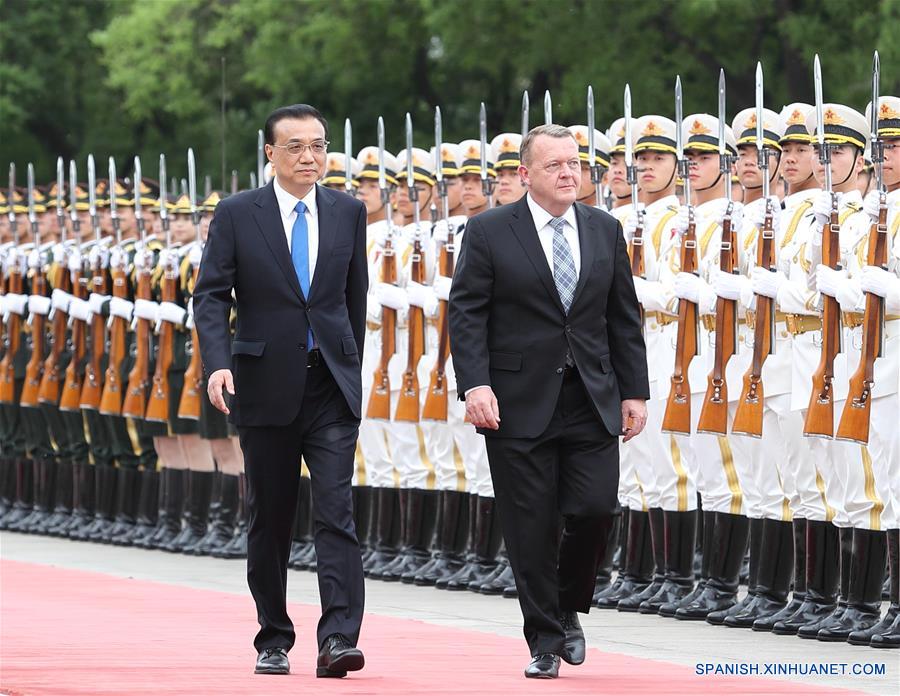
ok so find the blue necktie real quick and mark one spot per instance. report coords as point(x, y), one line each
point(300, 257)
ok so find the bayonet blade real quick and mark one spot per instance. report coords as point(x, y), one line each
point(679, 117)
point(348, 154)
point(760, 141)
point(163, 193)
point(260, 158)
point(60, 184)
point(721, 112)
point(382, 177)
point(820, 104)
point(113, 204)
point(876, 76)
point(629, 153)
point(590, 125)
point(92, 186)
point(482, 134)
point(525, 108)
point(548, 108)
point(136, 188)
point(32, 217)
point(73, 198)
point(438, 144)
point(410, 173)
point(192, 179)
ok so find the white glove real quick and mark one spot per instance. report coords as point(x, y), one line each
point(850, 297)
point(172, 313)
point(390, 296)
point(15, 303)
point(75, 260)
point(422, 296)
point(380, 233)
point(766, 283)
point(829, 281)
point(441, 287)
point(118, 258)
point(195, 254)
point(146, 309)
point(732, 286)
point(373, 309)
point(737, 216)
point(60, 299)
point(880, 282)
point(59, 251)
point(96, 302)
point(189, 321)
point(689, 287)
point(120, 307)
point(872, 204)
point(630, 225)
point(821, 207)
point(440, 232)
point(640, 289)
point(757, 215)
point(79, 309)
point(99, 256)
point(681, 220)
point(38, 304)
point(34, 259)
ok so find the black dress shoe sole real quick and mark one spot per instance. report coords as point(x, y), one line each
point(339, 667)
point(541, 675)
point(272, 670)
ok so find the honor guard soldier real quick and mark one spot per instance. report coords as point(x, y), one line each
point(587, 194)
point(505, 155)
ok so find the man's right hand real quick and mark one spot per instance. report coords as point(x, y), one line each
point(219, 380)
point(482, 408)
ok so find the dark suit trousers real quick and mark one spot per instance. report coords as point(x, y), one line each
point(324, 434)
point(571, 470)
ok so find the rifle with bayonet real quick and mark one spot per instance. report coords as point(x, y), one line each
point(192, 392)
point(636, 245)
point(51, 383)
point(677, 417)
point(714, 412)
point(435, 407)
point(348, 158)
point(408, 401)
point(145, 311)
point(596, 174)
point(820, 412)
point(487, 185)
point(260, 160)
point(379, 405)
point(548, 108)
point(13, 297)
point(38, 305)
point(748, 418)
point(525, 108)
point(857, 413)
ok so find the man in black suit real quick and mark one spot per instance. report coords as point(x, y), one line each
point(545, 330)
point(293, 254)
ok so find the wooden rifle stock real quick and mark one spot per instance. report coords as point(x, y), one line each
point(379, 405)
point(189, 404)
point(93, 374)
point(677, 417)
point(820, 412)
point(34, 370)
point(158, 404)
point(856, 416)
point(139, 377)
point(435, 407)
point(111, 398)
point(408, 402)
point(714, 412)
point(71, 391)
point(748, 418)
point(14, 341)
point(51, 383)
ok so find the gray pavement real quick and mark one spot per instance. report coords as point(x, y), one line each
point(631, 634)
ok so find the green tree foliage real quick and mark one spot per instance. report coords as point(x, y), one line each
point(146, 76)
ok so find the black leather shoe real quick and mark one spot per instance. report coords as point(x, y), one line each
point(273, 661)
point(544, 666)
point(338, 656)
point(573, 653)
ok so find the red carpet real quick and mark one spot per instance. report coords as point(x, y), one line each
point(72, 632)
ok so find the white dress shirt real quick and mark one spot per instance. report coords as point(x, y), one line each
point(545, 232)
point(286, 204)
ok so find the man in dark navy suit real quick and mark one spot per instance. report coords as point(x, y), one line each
point(291, 256)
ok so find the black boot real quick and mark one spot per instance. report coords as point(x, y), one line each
point(811, 630)
point(822, 566)
point(421, 518)
point(42, 497)
point(502, 581)
point(196, 512)
point(128, 492)
point(452, 534)
point(7, 486)
point(638, 562)
point(706, 545)
point(469, 549)
point(237, 547)
point(775, 568)
point(680, 531)
point(864, 597)
point(62, 496)
point(302, 540)
point(717, 617)
point(105, 478)
point(618, 561)
point(24, 497)
point(658, 543)
point(487, 544)
point(386, 529)
point(362, 515)
point(221, 530)
point(212, 517)
point(766, 623)
point(887, 633)
point(174, 485)
point(604, 572)
point(83, 513)
point(727, 544)
point(147, 509)
point(159, 514)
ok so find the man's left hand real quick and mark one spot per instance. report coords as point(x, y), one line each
point(634, 418)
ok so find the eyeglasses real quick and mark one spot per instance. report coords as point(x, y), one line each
point(318, 147)
point(573, 164)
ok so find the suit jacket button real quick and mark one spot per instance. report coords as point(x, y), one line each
point(559, 370)
point(568, 329)
point(301, 346)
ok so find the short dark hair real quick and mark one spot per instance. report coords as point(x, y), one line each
point(299, 111)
